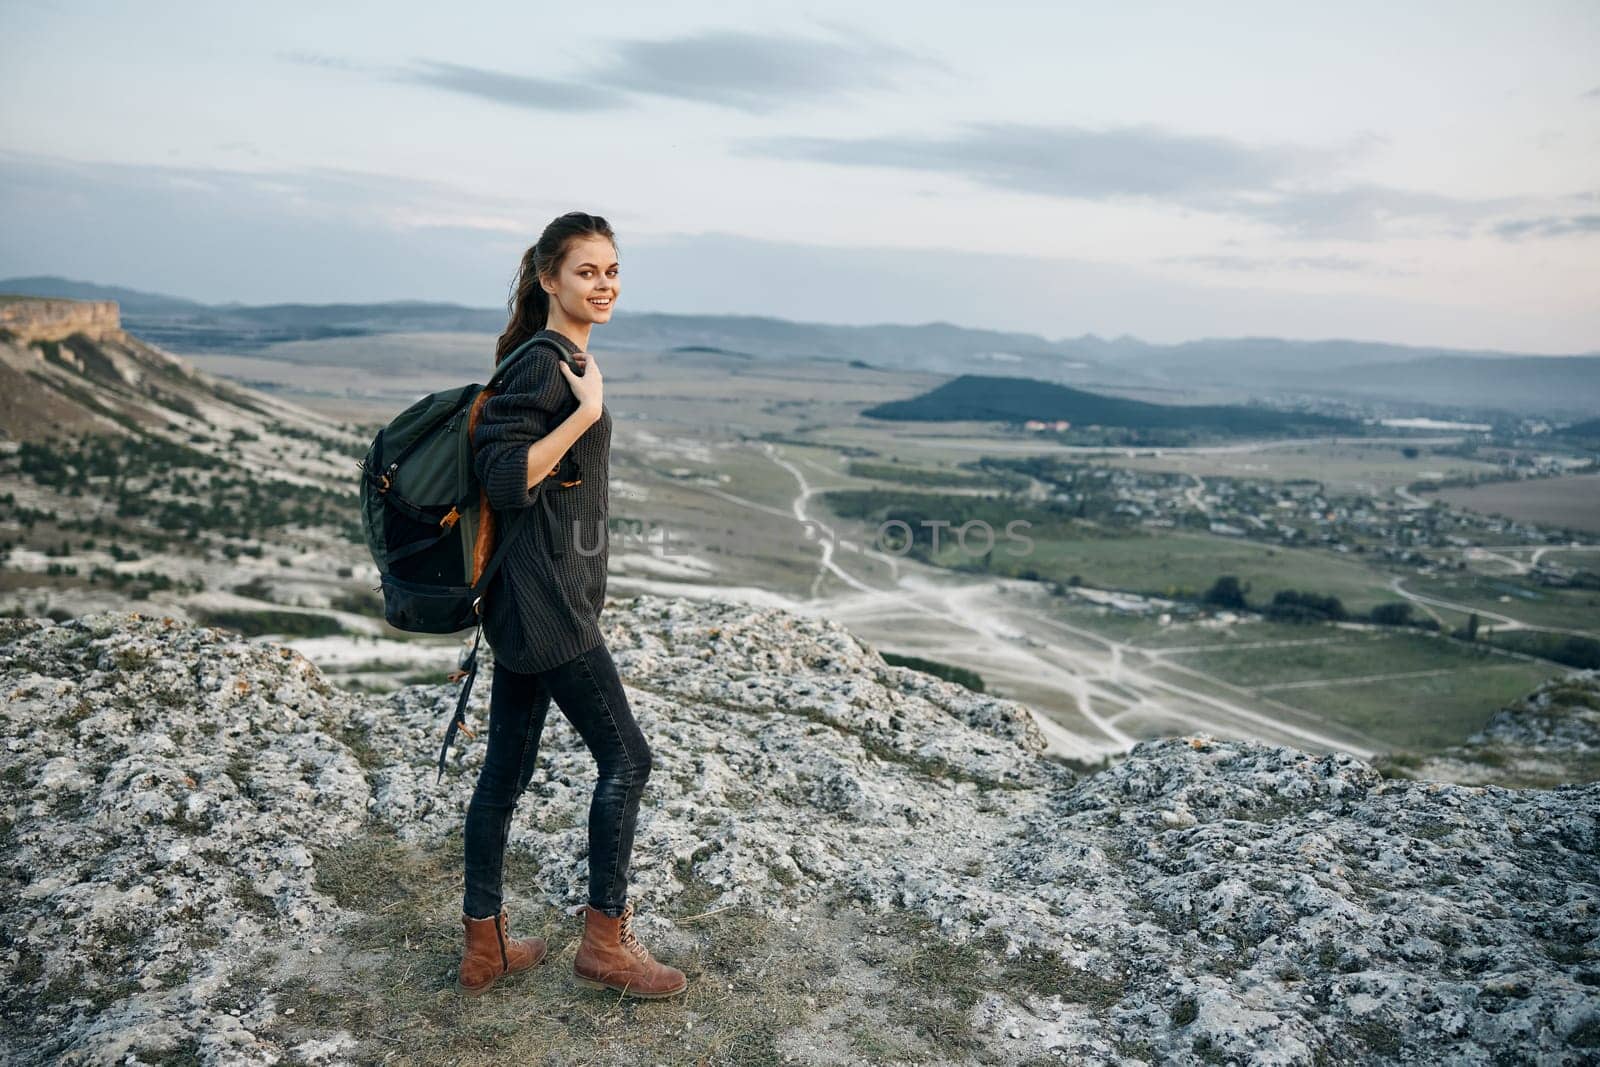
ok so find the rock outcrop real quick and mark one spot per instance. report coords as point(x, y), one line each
point(186, 814)
point(68, 369)
point(31, 319)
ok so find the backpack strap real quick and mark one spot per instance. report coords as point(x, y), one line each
point(459, 719)
point(482, 583)
point(526, 346)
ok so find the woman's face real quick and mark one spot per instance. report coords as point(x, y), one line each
point(587, 286)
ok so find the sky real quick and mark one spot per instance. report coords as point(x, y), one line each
point(1420, 173)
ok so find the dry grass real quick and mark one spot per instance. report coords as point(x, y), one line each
point(837, 984)
point(393, 984)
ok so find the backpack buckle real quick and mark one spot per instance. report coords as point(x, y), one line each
point(382, 481)
point(449, 520)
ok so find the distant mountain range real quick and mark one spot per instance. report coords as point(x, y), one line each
point(1454, 381)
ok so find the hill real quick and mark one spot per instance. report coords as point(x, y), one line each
point(213, 856)
point(68, 368)
point(972, 396)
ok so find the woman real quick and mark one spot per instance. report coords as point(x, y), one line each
point(543, 441)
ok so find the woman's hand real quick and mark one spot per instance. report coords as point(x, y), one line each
point(588, 387)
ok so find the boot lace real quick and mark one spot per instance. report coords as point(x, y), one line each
point(625, 933)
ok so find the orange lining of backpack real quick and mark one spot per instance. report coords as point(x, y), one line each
point(483, 545)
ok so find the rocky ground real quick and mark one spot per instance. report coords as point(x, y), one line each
point(1549, 737)
point(212, 856)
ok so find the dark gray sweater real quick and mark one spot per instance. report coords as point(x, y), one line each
point(542, 607)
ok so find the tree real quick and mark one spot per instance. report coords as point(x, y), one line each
point(1225, 592)
point(1392, 614)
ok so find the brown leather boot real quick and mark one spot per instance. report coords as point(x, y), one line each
point(492, 953)
point(612, 958)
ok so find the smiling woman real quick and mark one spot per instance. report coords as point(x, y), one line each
point(544, 441)
point(568, 280)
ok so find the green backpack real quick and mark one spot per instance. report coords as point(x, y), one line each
point(420, 517)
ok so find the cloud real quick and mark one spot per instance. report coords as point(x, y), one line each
point(1362, 212)
point(1276, 264)
point(517, 90)
point(1549, 226)
point(319, 234)
point(542, 94)
point(313, 195)
point(751, 72)
point(1280, 186)
point(1061, 161)
point(307, 58)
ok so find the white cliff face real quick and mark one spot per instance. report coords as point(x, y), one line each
point(177, 798)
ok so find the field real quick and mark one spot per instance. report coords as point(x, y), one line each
point(1406, 690)
point(1573, 502)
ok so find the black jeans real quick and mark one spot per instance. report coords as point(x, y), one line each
point(589, 693)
